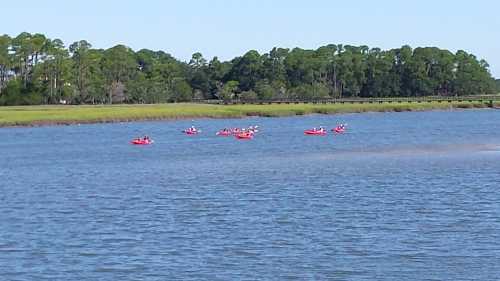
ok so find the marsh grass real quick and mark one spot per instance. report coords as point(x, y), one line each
point(47, 115)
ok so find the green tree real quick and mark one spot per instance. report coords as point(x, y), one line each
point(181, 91)
point(247, 70)
point(37, 69)
point(138, 89)
point(299, 67)
point(119, 65)
point(5, 64)
point(248, 95)
point(381, 77)
point(307, 91)
point(228, 91)
point(97, 89)
point(264, 90)
point(27, 50)
point(217, 73)
point(82, 68)
point(199, 78)
point(352, 70)
point(197, 61)
point(472, 76)
point(274, 66)
point(55, 70)
point(403, 59)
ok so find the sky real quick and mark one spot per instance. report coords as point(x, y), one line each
point(229, 28)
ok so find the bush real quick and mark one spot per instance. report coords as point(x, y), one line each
point(248, 95)
point(182, 92)
point(15, 94)
point(228, 91)
point(307, 91)
point(264, 90)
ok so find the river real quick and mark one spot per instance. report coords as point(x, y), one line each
point(411, 195)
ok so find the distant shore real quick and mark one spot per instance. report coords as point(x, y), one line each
point(11, 116)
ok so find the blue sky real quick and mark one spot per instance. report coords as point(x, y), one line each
point(228, 28)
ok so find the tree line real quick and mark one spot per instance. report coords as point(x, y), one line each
point(35, 69)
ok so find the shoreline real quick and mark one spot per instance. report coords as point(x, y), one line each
point(66, 115)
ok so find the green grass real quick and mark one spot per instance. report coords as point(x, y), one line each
point(45, 115)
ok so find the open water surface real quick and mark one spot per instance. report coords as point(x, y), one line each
point(401, 196)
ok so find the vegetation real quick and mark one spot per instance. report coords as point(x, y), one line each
point(71, 114)
point(35, 69)
point(498, 85)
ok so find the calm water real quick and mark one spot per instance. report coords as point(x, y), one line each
point(402, 196)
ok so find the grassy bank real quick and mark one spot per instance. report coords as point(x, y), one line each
point(50, 115)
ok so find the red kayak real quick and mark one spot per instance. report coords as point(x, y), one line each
point(191, 132)
point(315, 132)
point(338, 130)
point(224, 133)
point(141, 142)
point(244, 136)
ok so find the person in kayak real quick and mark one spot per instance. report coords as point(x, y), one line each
point(340, 128)
point(192, 129)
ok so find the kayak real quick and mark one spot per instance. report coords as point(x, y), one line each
point(244, 136)
point(338, 130)
point(190, 132)
point(141, 142)
point(224, 133)
point(315, 132)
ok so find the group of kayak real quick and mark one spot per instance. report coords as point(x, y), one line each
point(339, 129)
point(243, 133)
point(239, 133)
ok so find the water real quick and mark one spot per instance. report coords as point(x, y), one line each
point(401, 196)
